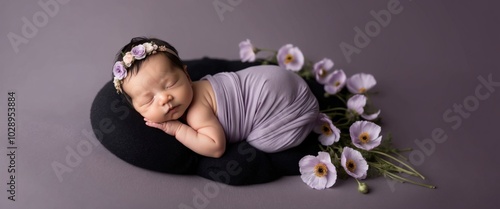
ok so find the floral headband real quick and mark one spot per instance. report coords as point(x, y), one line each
point(138, 52)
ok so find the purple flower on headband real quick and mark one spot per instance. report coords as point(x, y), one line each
point(119, 70)
point(139, 52)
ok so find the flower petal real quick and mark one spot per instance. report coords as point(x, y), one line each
point(371, 116)
point(247, 53)
point(373, 143)
point(324, 157)
point(332, 175)
point(308, 161)
point(361, 82)
point(357, 103)
point(372, 128)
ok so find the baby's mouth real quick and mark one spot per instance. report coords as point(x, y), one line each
point(171, 108)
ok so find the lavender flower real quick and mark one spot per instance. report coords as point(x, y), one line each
point(354, 164)
point(357, 104)
point(318, 172)
point(321, 70)
point(360, 83)
point(335, 82)
point(329, 133)
point(247, 51)
point(365, 134)
point(139, 52)
point(119, 71)
point(290, 58)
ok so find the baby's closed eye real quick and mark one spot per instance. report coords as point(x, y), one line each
point(170, 84)
point(145, 101)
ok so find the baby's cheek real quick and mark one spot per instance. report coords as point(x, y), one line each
point(145, 114)
point(156, 117)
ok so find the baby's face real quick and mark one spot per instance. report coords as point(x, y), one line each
point(159, 91)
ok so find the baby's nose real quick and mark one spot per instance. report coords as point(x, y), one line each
point(166, 100)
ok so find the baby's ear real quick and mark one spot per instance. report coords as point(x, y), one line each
point(187, 74)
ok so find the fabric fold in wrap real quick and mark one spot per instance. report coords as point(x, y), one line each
point(272, 108)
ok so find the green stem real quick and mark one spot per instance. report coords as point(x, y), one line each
point(399, 169)
point(334, 109)
point(399, 161)
point(335, 114)
point(402, 179)
point(342, 124)
point(341, 99)
point(396, 152)
point(266, 50)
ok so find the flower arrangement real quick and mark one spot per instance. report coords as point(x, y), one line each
point(349, 136)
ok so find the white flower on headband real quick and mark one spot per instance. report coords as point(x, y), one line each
point(148, 47)
point(128, 59)
point(138, 52)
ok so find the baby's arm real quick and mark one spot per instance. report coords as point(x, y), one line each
point(205, 136)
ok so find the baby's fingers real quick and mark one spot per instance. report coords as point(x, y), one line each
point(154, 125)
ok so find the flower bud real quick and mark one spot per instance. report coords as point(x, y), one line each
point(363, 188)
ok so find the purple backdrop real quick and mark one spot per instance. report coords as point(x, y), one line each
point(432, 61)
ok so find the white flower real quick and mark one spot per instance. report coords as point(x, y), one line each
point(149, 47)
point(360, 83)
point(128, 59)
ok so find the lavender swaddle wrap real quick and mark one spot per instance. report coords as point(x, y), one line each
point(272, 108)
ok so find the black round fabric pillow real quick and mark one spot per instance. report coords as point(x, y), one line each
point(123, 132)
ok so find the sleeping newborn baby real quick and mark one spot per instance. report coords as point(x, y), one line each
point(272, 108)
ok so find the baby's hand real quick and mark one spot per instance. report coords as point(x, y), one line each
point(170, 127)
